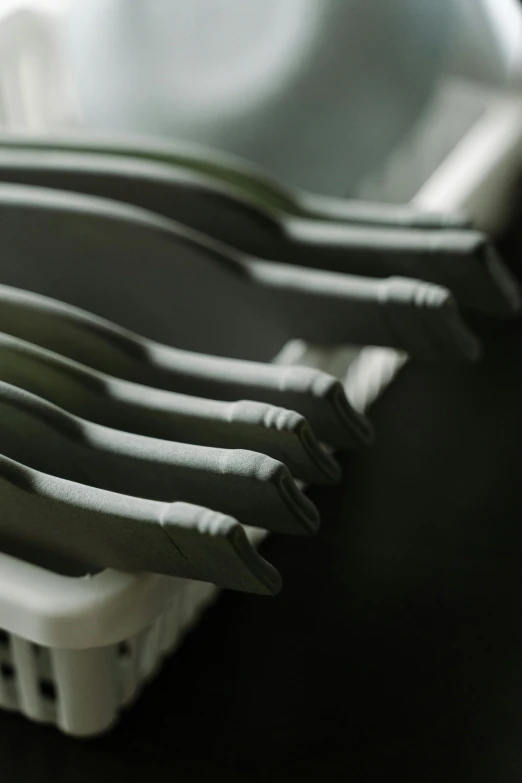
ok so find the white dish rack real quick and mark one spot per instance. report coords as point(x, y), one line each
point(75, 651)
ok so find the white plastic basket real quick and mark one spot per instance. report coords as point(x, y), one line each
point(75, 651)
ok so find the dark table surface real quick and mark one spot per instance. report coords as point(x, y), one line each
point(395, 648)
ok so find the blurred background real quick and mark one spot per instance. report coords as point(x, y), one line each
point(346, 98)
